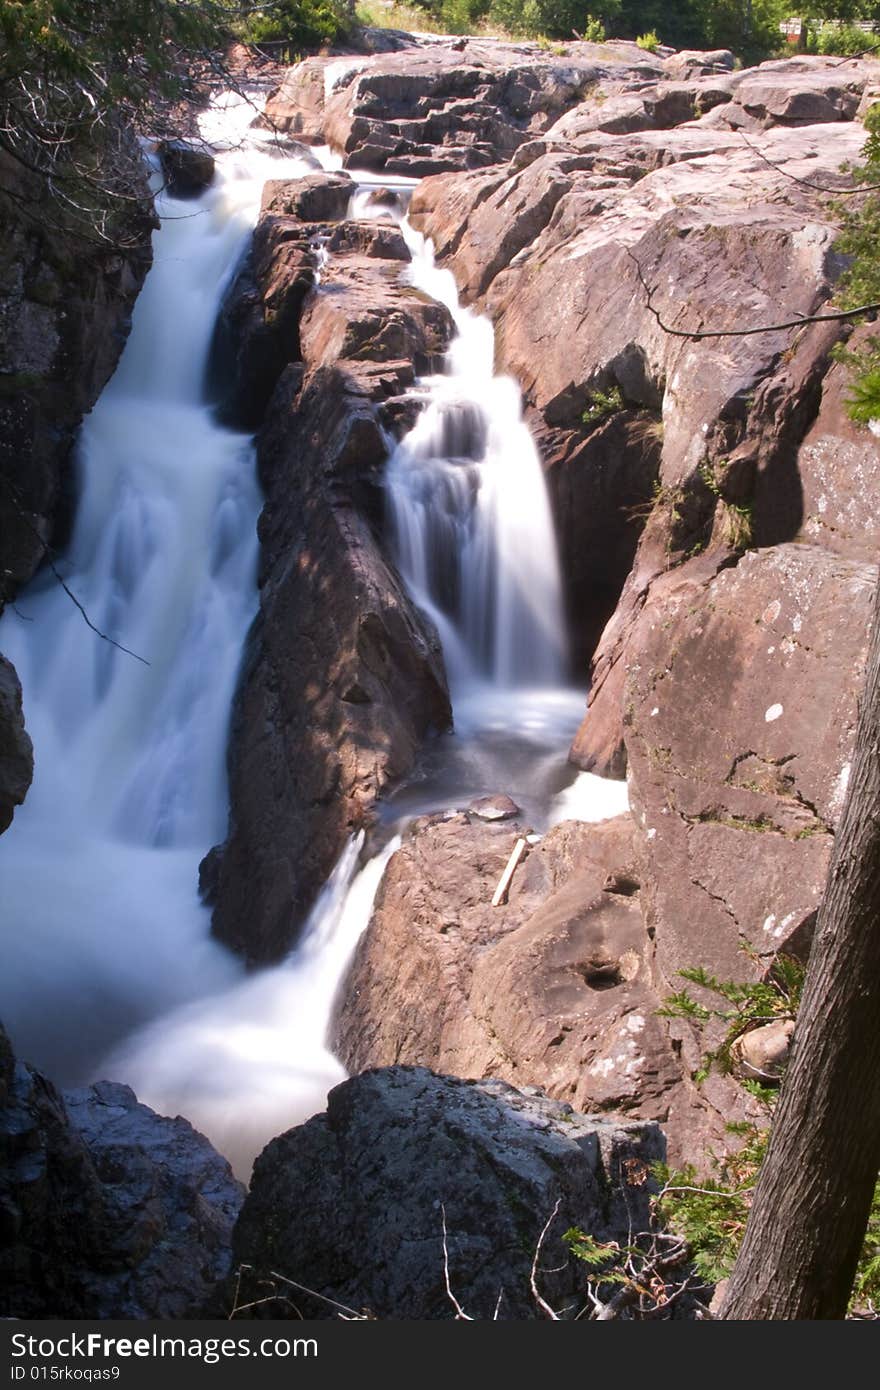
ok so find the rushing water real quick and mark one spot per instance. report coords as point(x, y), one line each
point(110, 966)
point(98, 873)
point(471, 517)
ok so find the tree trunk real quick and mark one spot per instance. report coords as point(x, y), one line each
point(798, 1257)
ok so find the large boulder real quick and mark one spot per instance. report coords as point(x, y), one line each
point(343, 677)
point(554, 988)
point(65, 311)
point(16, 750)
point(740, 712)
point(188, 169)
point(411, 1179)
point(107, 1210)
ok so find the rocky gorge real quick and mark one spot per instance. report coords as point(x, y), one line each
point(714, 511)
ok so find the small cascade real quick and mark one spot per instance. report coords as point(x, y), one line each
point(470, 515)
point(250, 1062)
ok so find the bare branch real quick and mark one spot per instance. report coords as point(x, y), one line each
point(798, 322)
point(460, 1314)
point(533, 1278)
point(48, 555)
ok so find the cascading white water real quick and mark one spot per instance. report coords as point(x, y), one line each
point(470, 514)
point(109, 964)
point(249, 1062)
point(98, 874)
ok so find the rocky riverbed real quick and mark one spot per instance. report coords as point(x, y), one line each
point(716, 513)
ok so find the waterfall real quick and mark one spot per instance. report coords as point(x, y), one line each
point(251, 1061)
point(470, 515)
point(98, 873)
point(110, 968)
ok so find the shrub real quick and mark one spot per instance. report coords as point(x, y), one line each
point(649, 42)
point(843, 39)
point(601, 404)
point(299, 25)
point(711, 1212)
point(557, 19)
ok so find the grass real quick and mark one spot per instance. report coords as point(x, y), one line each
point(389, 14)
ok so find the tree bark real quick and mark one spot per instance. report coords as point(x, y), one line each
point(807, 1223)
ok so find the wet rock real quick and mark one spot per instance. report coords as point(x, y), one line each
point(343, 677)
point(353, 1204)
point(499, 807)
point(65, 312)
point(318, 197)
point(188, 170)
point(259, 328)
point(16, 750)
point(107, 1210)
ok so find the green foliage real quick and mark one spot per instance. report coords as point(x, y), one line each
point(601, 404)
point(737, 518)
point(105, 51)
point(749, 27)
point(843, 39)
point(866, 1289)
point(77, 75)
point(593, 30)
point(556, 19)
point(601, 1257)
point(299, 25)
point(649, 42)
point(710, 1213)
point(742, 1005)
point(860, 283)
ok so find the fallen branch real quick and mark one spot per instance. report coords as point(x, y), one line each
point(460, 1314)
point(516, 855)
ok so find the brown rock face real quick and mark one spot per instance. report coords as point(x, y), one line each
point(16, 751)
point(563, 250)
point(838, 466)
point(440, 106)
point(65, 307)
point(555, 988)
point(740, 709)
point(343, 678)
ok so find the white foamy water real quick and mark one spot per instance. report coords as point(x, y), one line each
point(470, 513)
point(110, 968)
point(98, 873)
point(474, 538)
point(246, 1064)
